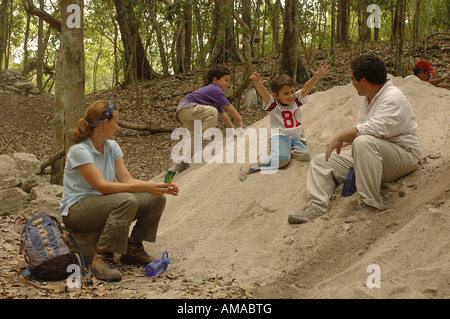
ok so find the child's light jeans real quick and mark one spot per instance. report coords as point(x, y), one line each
point(282, 149)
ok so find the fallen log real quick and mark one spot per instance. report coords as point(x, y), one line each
point(52, 159)
point(145, 127)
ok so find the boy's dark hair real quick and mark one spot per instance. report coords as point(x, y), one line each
point(281, 80)
point(369, 67)
point(217, 71)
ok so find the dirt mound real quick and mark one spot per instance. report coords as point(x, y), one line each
point(221, 226)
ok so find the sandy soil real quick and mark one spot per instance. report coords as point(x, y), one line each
point(231, 239)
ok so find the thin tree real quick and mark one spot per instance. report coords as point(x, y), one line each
point(291, 62)
point(69, 88)
point(3, 30)
point(137, 66)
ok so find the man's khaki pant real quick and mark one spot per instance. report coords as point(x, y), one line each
point(375, 160)
point(114, 214)
point(207, 114)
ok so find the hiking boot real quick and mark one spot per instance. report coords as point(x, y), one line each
point(104, 268)
point(309, 214)
point(136, 255)
point(181, 167)
point(362, 212)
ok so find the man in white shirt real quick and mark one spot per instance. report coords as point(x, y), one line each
point(385, 146)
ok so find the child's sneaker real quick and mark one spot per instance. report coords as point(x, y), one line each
point(244, 171)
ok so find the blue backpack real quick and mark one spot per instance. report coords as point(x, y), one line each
point(46, 251)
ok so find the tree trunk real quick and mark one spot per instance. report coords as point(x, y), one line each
point(291, 62)
point(333, 27)
point(343, 21)
point(426, 27)
point(255, 36)
point(137, 66)
point(145, 127)
point(69, 87)
point(116, 60)
point(263, 44)
point(162, 52)
point(3, 29)
point(73, 73)
point(290, 43)
point(364, 32)
point(400, 26)
point(323, 10)
point(40, 54)
point(247, 53)
point(276, 29)
point(416, 24)
point(25, 46)
point(223, 48)
point(198, 23)
point(247, 18)
point(187, 36)
point(57, 169)
point(178, 47)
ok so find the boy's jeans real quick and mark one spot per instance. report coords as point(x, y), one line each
point(281, 150)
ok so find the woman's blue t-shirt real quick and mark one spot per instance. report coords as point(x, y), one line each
point(75, 185)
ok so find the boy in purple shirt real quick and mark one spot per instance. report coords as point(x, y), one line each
point(206, 104)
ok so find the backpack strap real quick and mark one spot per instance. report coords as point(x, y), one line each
point(43, 234)
point(80, 254)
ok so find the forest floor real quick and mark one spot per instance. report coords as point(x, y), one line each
point(27, 127)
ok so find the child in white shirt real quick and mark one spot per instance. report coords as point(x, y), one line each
point(285, 115)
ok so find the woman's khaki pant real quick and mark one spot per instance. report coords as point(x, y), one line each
point(114, 213)
point(375, 160)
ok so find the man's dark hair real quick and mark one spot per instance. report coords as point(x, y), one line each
point(217, 71)
point(369, 67)
point(280, 81)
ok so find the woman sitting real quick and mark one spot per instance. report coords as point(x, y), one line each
point(100, 194)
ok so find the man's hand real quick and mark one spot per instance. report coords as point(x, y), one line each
point(339, 141)
point(334, 144)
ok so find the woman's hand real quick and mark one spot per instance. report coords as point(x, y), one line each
point(159, 189)
point(172, 189)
